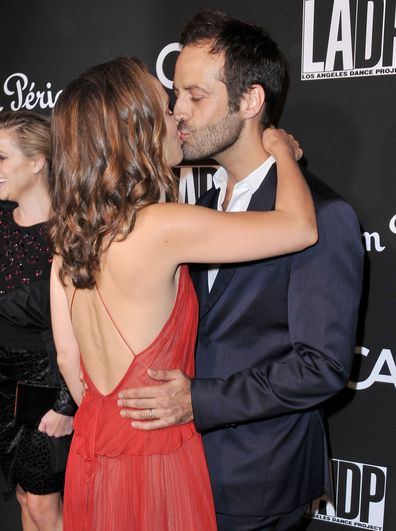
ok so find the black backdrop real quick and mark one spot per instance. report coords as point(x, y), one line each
point(340, 105)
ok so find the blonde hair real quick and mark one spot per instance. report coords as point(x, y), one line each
point(32, 132)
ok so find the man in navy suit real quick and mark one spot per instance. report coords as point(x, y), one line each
point(276, 337)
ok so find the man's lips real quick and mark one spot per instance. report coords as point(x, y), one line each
point(182, 135)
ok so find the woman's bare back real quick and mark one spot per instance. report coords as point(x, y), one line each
point(119, 318)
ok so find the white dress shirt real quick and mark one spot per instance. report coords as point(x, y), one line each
point(240, 199)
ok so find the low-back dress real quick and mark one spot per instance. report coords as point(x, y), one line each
point(121, 478)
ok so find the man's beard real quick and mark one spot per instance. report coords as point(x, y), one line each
point(213, 139)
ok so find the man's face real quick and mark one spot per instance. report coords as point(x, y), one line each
point(206, 125)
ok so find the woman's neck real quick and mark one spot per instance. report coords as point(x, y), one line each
point(32, 208)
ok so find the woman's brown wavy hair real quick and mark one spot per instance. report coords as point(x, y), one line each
point(108, 135)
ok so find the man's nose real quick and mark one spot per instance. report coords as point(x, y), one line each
point(180, 109)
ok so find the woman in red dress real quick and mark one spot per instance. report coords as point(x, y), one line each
point(122, 300)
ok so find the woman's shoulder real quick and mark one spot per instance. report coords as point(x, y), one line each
point(156, 227)
point(160, 215)
point(161, 209)
point(167, 211)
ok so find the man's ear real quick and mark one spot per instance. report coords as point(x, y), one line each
point(38, 163)
point(253, 101)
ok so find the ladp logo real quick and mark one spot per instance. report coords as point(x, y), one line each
point(348, 38)
point(359, 502)
point(194, 181)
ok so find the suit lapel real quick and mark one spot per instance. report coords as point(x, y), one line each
point(262, 200)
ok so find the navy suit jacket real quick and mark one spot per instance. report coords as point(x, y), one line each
point(276, 339)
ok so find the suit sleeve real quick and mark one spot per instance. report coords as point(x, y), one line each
point(323, 300)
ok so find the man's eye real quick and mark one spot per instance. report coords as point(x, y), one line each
point(196, 98)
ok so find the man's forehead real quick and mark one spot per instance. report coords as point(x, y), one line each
point(202, 51)
point(197, 62)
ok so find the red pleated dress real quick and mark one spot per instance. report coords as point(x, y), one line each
point(119, 478)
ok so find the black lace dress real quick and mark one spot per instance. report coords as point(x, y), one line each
point(27, 352)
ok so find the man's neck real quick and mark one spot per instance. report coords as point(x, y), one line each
point(241, 159)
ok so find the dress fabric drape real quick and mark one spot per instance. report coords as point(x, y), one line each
point(120, 478)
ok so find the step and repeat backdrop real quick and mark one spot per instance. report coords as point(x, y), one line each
point(341, 107)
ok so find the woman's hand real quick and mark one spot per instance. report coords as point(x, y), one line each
point(56, 425)
point(278, 142)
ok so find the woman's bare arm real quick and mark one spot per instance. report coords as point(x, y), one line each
point(189, 233)
point(68, 352)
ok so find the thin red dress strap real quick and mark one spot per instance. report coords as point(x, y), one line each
point(71, 303)
point(112, 320)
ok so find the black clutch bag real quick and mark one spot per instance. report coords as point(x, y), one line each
point(59, 450)
point(33, 400)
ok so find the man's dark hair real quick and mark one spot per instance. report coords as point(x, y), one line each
point(251, 56)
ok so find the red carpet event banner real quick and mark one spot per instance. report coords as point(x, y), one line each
point(340, 105)
point(343, 38)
